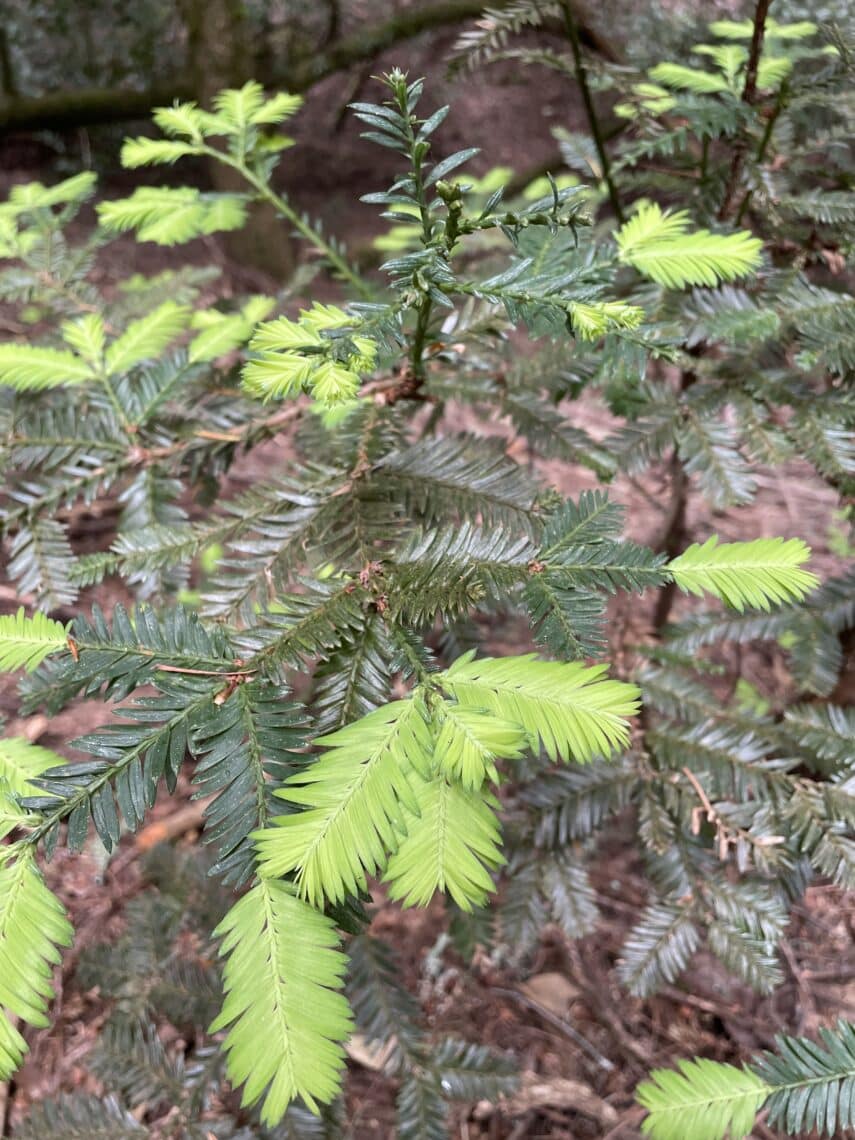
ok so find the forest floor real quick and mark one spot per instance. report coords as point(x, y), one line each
point(568, 988)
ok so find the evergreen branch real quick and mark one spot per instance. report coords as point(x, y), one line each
point(759, 574)
point(572, 710)
point(352, 799)
point(33, 926)
point(26, 641)
point(284, 1013)
point(451, 844)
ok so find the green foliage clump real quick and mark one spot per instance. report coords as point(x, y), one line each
point(372, 568)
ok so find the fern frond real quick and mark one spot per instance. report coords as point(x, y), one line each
point(572, 710)
point(305, 625)
point(804, 1085)
point(827, 731)
point(41, 562)
point(35, 196)
point(568, 621)
point(86, 336)
point(33, 926)
point(759, 574)
point(245, 751)
point(660, 246)
point(473, 1073)
point(385, 1012)
point(689, 79)
point(352, 798)
point(130, 1059)
point(422, 1113)
point(143, 151)
point(26, 641)
point(357, 678)
point(709, 450)
point(658, 948)
point(571, 803)
point(471, 476)
point(451, 844)
point(470, 742)
point(284, 1012)
point(129, 761)
point(116, 658)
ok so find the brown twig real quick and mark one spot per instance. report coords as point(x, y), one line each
point(595, 989)
point(189, 818)
point(805, 1005)
point(557, 1023)
point(749, 93)
point(572, 30)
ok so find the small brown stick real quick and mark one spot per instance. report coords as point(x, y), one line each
point(583, 975)
point(558, 1023)
point(226, 674)
point(189, 818)
point(749, 93)
point(703, 1004)
point(806, 1005)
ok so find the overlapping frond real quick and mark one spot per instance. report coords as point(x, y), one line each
point(21, 762)
point(147, 337)
point(284, 1012)
point(246, 750)
point(27, 368)
point(572, 710)
point(451, 844)
point(661, 246)
point(757, 574)
point(170, 216)
point(804, 1085)
point(352, 799)
point(26, 641)
point(81, 1116)
point(33, 927)
point(706, 1100)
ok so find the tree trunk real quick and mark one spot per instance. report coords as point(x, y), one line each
point(219, 56)
point(90, 107)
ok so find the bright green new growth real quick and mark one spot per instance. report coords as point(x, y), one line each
point(33, 927)
point(21, 762)
point(391, 762)
point(351, 798)
point(659, 245)
point(26, 641)
point(27, 368)
point(756, 574)
point(376, 558)
point(704, 1100)
point(804, 1085)
point(284, 1011)
point(449, 844)
point(571, 710)
point(297, 355)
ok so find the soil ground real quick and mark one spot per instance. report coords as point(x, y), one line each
point(531, 1012)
